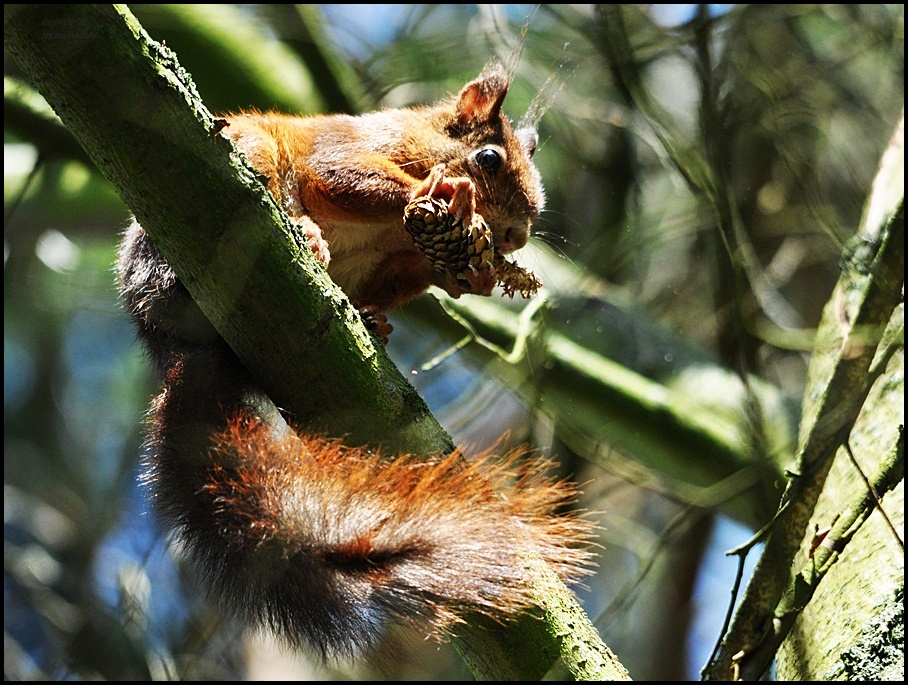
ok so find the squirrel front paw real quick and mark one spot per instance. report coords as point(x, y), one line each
point(470, 281)
point(459, 192)
point(309, 230)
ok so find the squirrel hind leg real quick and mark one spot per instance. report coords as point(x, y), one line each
point(376, 322)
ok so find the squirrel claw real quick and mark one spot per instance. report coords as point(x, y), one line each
point(376, 322)
point(478, 282)
point(469, 281)
point(463, 200)
point(311, 232)
point(459, 192)
point(436, 176)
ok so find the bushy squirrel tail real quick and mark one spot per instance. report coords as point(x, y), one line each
point(326, 544)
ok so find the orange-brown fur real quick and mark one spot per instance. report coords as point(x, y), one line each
point(353, 175)
point(324, 543)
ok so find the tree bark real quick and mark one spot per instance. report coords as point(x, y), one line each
point(853, 414)
point(853, 628)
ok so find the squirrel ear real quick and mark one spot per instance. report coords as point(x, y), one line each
point(480, 100)
point(528, 138)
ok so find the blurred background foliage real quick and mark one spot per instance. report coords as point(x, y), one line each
point(704, 166)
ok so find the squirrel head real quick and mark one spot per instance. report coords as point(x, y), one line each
point(478, 141)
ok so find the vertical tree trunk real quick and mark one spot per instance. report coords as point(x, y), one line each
point(853, 628)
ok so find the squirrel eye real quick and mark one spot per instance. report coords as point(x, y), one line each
point(489, 160)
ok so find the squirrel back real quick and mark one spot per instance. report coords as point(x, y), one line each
point(327, 544)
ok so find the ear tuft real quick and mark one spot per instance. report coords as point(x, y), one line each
point(480, 100)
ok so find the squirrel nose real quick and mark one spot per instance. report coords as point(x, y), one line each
point(514, 238)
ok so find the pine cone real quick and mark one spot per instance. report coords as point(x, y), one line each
point(514, 278)
point(445, 241)
point(451, 246)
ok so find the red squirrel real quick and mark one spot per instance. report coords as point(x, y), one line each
point(326, 544)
